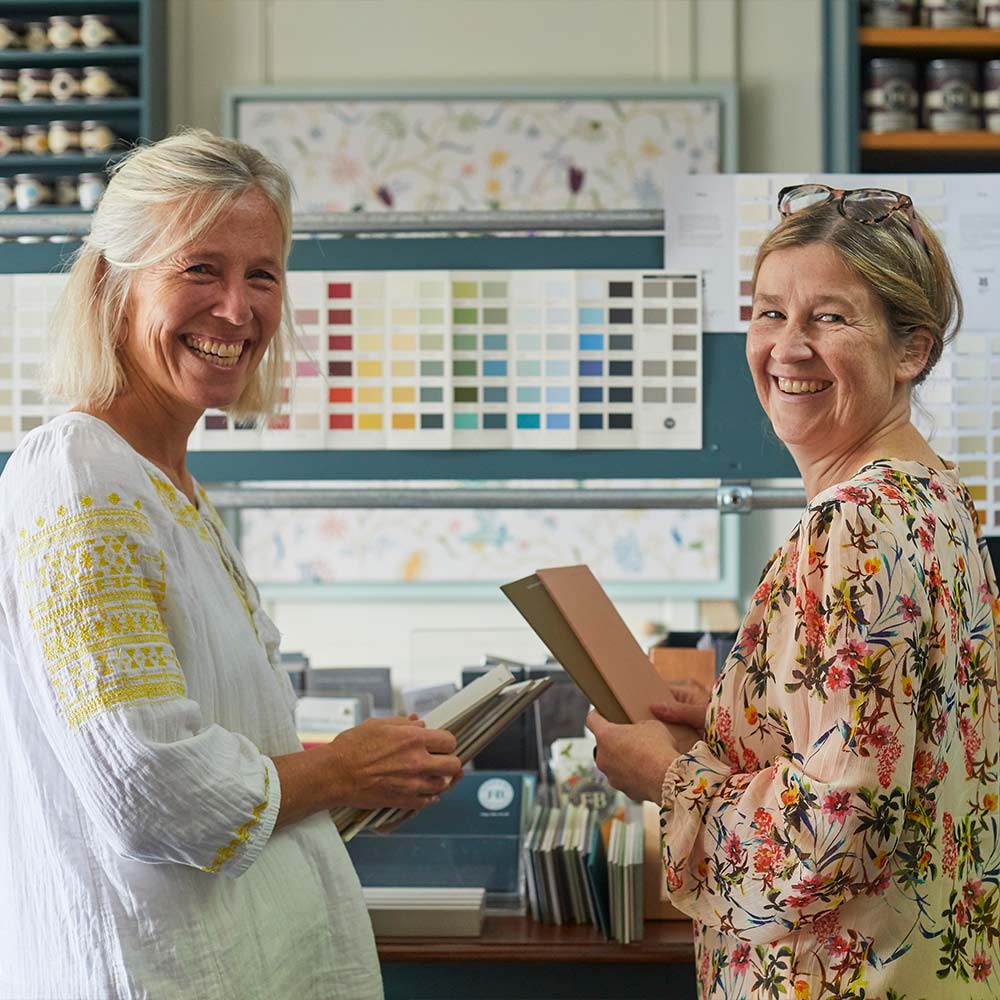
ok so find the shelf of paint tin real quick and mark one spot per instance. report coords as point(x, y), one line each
point(54, 164)
point(923, 140)
point(70, 109)
point(930, 40)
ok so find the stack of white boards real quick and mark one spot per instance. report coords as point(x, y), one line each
point(572, 880)
point(475, 715)
point(409, 912)
point(625, 849)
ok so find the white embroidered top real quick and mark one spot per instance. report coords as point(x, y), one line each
point(141, 693)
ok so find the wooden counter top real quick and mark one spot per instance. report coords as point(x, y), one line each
point(519, 939)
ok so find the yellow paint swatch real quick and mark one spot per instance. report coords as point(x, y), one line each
point(404, 317)
point(370, 317)
point(404, 369)
point(404, 421)
point(370, 421)
point(404, 394)
point(370, 394)
point(368, 342)
point(404, 342)
point(369, 369)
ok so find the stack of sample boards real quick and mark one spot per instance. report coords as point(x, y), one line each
point(416, 912)
point(573, 880)
point(474, 715)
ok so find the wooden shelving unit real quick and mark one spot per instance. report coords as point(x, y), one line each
point(847, 48)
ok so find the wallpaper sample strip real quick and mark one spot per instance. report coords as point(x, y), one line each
point(443, 154)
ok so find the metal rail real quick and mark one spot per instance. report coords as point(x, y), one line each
point(727, 498)
point(48, 224)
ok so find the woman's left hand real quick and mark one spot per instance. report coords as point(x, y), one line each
point(634, 757)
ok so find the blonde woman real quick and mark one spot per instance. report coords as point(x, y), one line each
point(163, 833)
point(835, 833)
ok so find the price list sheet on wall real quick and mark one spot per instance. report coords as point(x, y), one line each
point(550, 359)
point(716, 224)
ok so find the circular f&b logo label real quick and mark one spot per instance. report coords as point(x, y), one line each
point(495, 794)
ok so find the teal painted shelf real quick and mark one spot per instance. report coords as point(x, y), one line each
point(51, 110)
point(55, 164)
point(15, 58)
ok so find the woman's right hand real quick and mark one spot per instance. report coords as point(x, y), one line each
point(393, 762)
point(687, 706)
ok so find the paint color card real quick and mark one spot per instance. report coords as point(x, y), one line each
point(33, 298)
point(543, 359)
point(417, 403)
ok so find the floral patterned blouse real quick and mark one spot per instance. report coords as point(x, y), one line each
point(836, 833)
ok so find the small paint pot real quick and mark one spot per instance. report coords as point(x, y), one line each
point(98, 30)
point(98, 84)
point(34, 85)
point(64, 32)
point(65, 84)
point(64, 137)
point(36, 36)
point(30, 192)
point(89, 189)
point(35, 140)
point(10, 34)
point(96, 137)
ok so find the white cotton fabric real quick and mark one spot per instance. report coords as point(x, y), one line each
point(141, 698)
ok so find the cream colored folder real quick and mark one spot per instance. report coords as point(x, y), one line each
point(570, 612)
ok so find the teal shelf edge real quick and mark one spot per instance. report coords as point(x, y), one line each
point(70, 57)
point(55, 164)
point(69, 109)
point(19, 8)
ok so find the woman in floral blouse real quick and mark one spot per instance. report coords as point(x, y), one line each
point(835, 832)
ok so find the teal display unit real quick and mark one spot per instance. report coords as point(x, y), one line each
point(139, 63)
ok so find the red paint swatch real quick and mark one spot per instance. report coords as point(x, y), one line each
point(746, 313)
point(339, 290)
point(338, 317)
point(341, 394)
point(341, 343)
point(339, 368)
point(341, 421)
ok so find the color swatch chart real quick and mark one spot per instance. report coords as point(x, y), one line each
point(26, 302)
point(548, 359)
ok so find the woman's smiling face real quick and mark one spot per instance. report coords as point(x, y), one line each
point(200, 322)
point(827, 371)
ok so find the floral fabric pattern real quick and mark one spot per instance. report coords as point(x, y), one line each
point(836, 833)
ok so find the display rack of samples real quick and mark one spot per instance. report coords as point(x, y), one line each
point(80, 82)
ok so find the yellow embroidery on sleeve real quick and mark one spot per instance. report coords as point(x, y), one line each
point(95, 600)
point(243, 833)
point(182, 511)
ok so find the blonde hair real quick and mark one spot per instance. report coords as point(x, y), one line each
point(193, 176)
point(917, 287)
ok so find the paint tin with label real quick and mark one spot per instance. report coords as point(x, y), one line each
point(64, 32)
point(991, 95)
point(89, 190)
point(35, 140)
point(98, 84)
point(8, 85)
point(98, 30)
point(65, 84)
point(65, 191)
point(6, 194)
point(890, 97)
point(64, 137)
point(96, 137)
point(10, 35)
point(30, 192)
point(948, 13)
point(888, 13)
point(34, 85)
point(10, 140)
point(36, 36)
point(951, 95)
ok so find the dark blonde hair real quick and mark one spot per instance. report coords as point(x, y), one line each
point(916, 287)
point(160, 198)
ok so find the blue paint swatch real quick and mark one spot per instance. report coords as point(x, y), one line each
point(591, 342)
point(529, 368)
point(557, 421)
point(591, 421)
point(591, 394)
point(591, 368)
point(557, 394)
point(494, 367)
point(494, 342)
point(494, 421)
point(529, 394)
point(495, 394)
point(529, 421)
point(557, 369)
point(591, 316)
point(432, 421)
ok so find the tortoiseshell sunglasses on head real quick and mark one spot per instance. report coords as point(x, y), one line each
point(865, 205)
